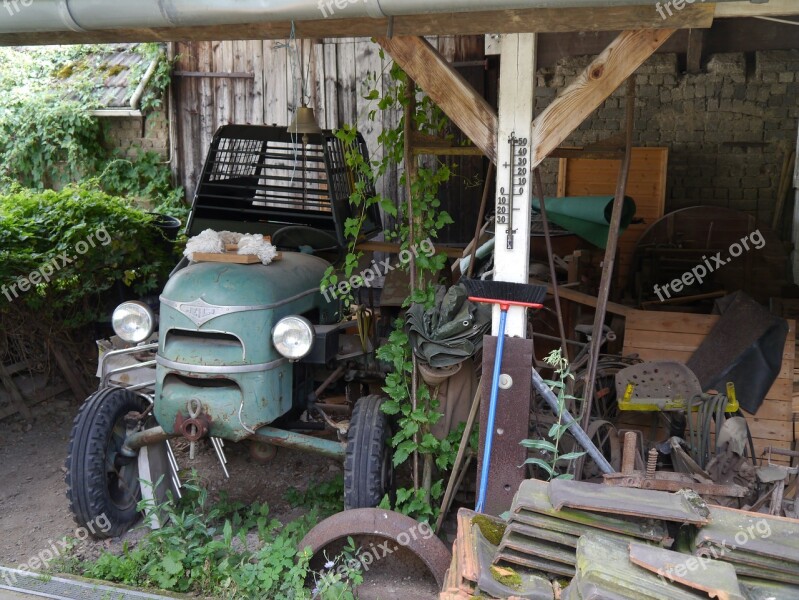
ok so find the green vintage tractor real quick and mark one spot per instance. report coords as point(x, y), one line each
point(243, 352)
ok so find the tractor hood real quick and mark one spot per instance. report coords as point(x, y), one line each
point(292, 277)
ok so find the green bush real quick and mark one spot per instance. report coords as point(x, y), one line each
point(60, 250)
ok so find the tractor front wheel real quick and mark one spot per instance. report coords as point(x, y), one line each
point(368, 471)
point(102, 484)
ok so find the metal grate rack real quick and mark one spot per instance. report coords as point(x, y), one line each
point(265, 175)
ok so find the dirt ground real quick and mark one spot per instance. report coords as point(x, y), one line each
point(34, 513)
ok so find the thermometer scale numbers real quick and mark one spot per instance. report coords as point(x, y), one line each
point(517, 182)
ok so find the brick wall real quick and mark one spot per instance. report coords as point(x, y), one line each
point(130, 133)
point(728, 129)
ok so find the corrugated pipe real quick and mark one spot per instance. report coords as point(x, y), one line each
point(89, 15)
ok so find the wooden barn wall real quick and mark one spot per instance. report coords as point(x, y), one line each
point(258, 82)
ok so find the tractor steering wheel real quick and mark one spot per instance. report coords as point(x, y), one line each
point(304, 239)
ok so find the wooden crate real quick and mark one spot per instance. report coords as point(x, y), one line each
point(646, 185)
point(675, 336)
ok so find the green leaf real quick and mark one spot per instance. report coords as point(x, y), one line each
point(571, 456)
point(542, 464)
point(539, 445)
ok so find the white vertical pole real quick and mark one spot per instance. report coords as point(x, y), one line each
point(516, 89)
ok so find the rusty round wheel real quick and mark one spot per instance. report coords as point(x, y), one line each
point(400, 530)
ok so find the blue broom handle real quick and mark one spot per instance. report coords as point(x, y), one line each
point(492, 415)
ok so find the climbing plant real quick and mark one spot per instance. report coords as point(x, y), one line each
point(424, 214)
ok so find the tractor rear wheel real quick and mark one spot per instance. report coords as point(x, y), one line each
point(102, 484)
point(368, 470)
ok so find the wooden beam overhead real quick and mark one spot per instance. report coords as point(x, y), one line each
point(611, 18)
point(745, 8)
point(447, 88)
point(599, 80)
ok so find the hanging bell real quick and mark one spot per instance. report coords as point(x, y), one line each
point(304, 122)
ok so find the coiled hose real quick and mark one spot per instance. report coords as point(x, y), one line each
point(710, 408)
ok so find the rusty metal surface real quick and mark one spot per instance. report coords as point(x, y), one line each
point(532, 503)
point(665, 481)
point(683, 507)
point(401, 530)
point(716, 578)
point(513, 406)
point(300, 441)
point(139, 439)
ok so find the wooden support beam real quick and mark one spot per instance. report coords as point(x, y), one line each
point(447, 88)
point(599, 80)
point(606, 18)
point(696, 44)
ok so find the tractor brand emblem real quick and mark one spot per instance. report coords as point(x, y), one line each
point(201, 312)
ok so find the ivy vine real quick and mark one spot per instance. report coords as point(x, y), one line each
point(414, 422)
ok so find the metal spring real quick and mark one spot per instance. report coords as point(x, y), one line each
point(652, 463)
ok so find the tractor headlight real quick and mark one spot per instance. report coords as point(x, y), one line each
point(134, 322)
point(293, 337)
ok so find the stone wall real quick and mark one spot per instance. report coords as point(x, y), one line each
point(728, 129)
point(130, 134)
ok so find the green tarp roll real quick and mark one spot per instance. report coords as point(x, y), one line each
point(587, 216)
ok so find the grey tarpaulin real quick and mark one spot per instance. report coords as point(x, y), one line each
point(745, 347)
point(449, 332)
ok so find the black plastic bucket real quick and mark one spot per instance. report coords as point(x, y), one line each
point(169, 226)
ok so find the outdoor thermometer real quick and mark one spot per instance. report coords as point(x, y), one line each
point(517, 182)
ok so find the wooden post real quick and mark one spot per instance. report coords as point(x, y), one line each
point(513, 205)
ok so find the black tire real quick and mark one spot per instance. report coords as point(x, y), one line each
point(103, 487)
point(368, 471)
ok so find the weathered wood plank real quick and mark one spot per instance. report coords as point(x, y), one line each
point(368, 75)
point(222, 88)
point(205, 62)
point(254, 62)
point(598, 81)
point(275, 85)
point(318, 84)
point(540, 20)
point(331, 85)
point(189, 123)
point(347, 111)
point(448, 89)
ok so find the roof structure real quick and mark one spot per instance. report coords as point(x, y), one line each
point(117, 73)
